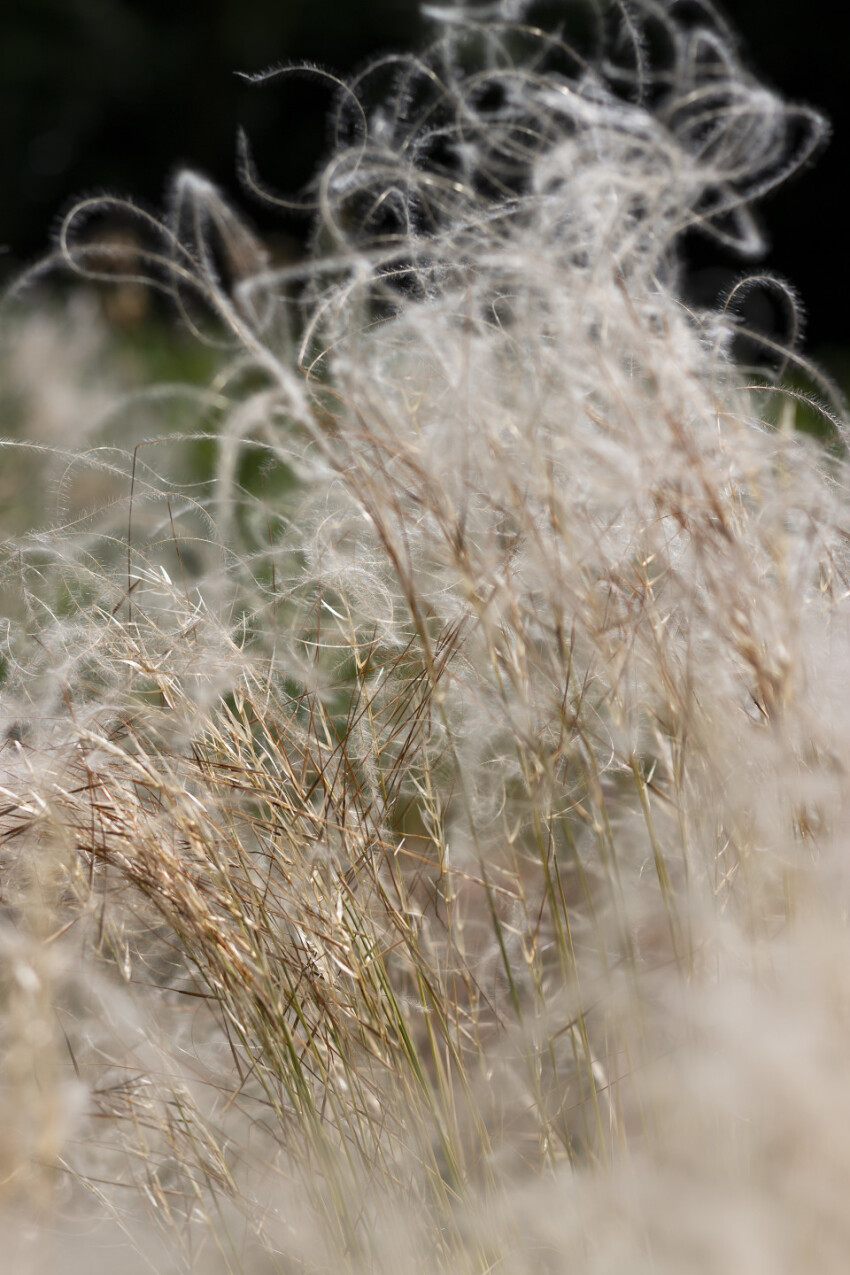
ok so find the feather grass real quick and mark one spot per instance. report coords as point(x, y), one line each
point(423, 831)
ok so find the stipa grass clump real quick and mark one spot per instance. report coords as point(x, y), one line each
point(424, 778)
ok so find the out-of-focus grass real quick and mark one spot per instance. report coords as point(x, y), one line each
point(423, 798)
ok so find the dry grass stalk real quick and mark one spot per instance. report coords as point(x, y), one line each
point(423, 835)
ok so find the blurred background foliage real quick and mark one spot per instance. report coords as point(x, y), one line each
point(115, 95)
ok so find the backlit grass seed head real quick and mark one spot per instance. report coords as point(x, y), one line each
point(436, 725)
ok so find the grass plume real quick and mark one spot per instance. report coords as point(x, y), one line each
point(423, 794)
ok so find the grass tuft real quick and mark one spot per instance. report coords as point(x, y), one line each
point(422, 795)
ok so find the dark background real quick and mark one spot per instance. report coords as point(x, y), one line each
point(115, 95)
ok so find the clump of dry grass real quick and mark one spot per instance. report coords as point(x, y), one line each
point(423, 835)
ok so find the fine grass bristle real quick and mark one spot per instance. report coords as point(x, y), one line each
point(423, 777)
